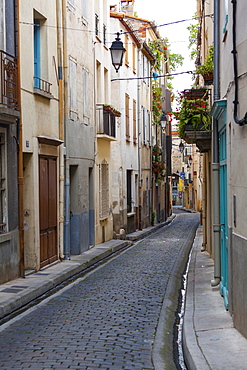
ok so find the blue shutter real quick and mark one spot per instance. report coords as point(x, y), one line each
point(36, 54)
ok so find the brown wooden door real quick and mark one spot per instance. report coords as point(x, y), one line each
point(48, 210)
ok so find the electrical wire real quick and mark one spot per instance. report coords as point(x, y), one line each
point(149, 77)
point(114, 33)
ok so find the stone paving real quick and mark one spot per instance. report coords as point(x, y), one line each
point(108, 320)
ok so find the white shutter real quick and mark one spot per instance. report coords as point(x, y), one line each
point(73, 93)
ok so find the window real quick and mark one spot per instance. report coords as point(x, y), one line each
point(147, 198)
point(148, 126)
point(104, 34)
point(3, 185)
point(126, 45)
point(226, 20)
point(134, 57)
point(96, 25)
point(134, 122)
point(85, 75)
point(144, 122)
point(36, 39)
point(71, 5)
point(129, 191)
point(127, 98)
point(72, 82)
point(104, 188)
point(84, 6)
point(40, 54)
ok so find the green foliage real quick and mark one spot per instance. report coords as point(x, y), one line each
point(159, 167)
point(208, 67)
point(157, 104)
point(159, 49)
point(175, 61)
point(193, 36)
point(193, 112)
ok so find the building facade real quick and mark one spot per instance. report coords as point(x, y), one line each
point(42, 137)
point(9, 142)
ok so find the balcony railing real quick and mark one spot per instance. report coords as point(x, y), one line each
point(8, 81)
point(42, 85)
point(106, 120)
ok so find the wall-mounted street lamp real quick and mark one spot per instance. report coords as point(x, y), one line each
point(190, 160)
point(163, 121)
point(117, 52)
point(181, 147)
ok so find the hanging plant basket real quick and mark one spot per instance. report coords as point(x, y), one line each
point(193, 94)
point(208, 79)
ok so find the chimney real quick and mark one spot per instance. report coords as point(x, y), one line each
point(127, 7)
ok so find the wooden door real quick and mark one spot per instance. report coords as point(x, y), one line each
point(48, 210)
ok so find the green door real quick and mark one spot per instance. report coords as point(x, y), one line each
point(223, 216)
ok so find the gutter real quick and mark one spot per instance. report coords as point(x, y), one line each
point(216, 164)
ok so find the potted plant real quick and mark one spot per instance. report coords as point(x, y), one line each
point(206, 70)
point(158, 166)
point(196, 93)
point(110, 109)
point(193, 114)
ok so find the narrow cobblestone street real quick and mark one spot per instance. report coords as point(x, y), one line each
point(109, 319)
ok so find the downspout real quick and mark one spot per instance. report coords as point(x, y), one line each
point(204, 204)
point(242, 121)
point(67, 184)
point(61, 127)
point(216, 164)
point(20, 158)
point(139, 145)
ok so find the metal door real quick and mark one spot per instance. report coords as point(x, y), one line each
point(48, 210)
point(224, 217)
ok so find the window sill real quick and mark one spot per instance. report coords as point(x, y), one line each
point(44, 94)
point(106, 137)
point(98, 39)
point(130, 214)
point(5, 237)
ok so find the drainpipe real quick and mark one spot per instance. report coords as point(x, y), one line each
point(20, 159)
point(61, 126)
point(216, 164)
point(204, 204)
point(139, 144)
point(67, 184)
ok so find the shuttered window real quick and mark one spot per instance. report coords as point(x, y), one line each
point(134, 122)
point(127, 121)
point(104, 188)
point(85, 75)
point(73, 92)
point(84, 6)
point(3, 195)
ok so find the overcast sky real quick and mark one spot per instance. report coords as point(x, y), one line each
point(166, 11)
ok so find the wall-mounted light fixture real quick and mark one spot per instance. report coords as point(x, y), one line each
point(117, 52)
point(190, 160)
point(163, 121)
point(181, 146)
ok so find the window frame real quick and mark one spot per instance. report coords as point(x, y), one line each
point(3, 183)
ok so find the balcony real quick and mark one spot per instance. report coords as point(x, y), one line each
point(195, 119)
point(8, 81)
point(42, 87)
point(201, 137)
point(106, 122)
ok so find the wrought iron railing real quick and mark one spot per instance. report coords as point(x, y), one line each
point(106, 121)
point(8, 81)
point(42, 85)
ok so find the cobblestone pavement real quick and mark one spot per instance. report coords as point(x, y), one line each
point(108, 320)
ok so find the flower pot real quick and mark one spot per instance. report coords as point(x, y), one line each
point(196, 94)
point(208, 79)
